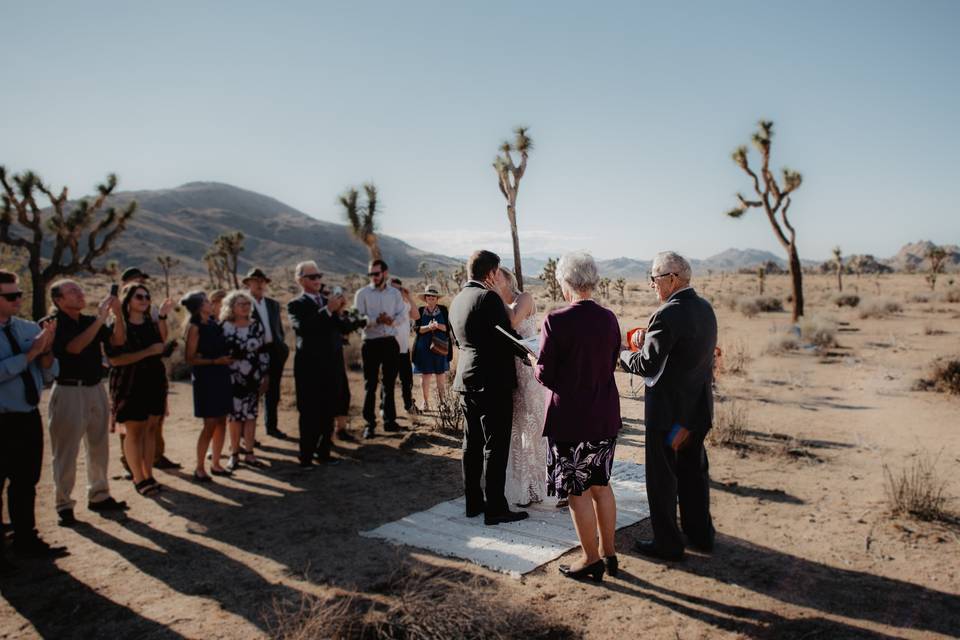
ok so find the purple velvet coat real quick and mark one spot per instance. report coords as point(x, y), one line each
point(579, 347)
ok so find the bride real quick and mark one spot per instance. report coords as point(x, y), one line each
point(526, 464)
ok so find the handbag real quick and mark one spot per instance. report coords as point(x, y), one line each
point(439, 344)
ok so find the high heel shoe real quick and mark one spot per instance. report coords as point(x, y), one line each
point(593, 571)
point(612, 565)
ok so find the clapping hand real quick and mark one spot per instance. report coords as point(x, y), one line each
point(166, 307)
point(42, 341)
point(108, 304)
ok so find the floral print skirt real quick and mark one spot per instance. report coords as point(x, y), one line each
point(574, 467)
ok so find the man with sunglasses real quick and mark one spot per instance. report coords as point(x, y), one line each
point(383, 307)
point(79, 409)
point(26, 363)
point(675, 356)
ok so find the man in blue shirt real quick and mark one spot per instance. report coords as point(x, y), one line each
point(26, 362)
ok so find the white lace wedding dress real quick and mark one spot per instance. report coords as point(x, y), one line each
point(527, 462)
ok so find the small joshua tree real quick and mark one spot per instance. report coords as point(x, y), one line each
point(362, 218)
point(167, 264)
point(774, 199)
point(549, 277)
point(460, 276)
point(66, 226)
point(229, 246)
point(937, 256)
point(761, 277)
point(604, 287)
point(838, 260)
point(621, 286)
point(508, 177)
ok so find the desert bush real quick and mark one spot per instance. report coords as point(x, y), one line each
point(416, 603)
point(819, 331)
point(846, 300)
point(951, 295)
point(733, 357)
point(748, 307)
point(730, 423)
point(753, 305)
point(944, 378)
point(918, 490)
point(449, 417)
point(781, 343)
point(930, 330)
point(918, 298)
point(879, 307)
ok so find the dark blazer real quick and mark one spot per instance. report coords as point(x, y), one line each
point(486, 359)
point(318, 363)
point(275, 318)
point(579, 347)
point(682, 332)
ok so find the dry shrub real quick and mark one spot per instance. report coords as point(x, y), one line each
point(846, 300)
point(879, 307)
point(918, 490)
point(730, 424)
point(449, 418)
point(417, 603)
point(918, 298)
point(734, 357)
point(781, 343)
point(930, 330)
point(819, 331)
point(951, 295)
point(944, 378)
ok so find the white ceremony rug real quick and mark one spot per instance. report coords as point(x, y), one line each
point(518, 547)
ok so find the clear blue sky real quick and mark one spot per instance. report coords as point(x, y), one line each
point(634, 109)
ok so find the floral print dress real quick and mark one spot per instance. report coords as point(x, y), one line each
point(251, 362)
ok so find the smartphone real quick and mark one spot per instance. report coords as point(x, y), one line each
point(169, 349)
point(114, 289)
point(337, 291)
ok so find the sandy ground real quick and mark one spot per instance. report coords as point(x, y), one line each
point(807, 547)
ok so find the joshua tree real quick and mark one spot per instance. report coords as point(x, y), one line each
point(838, 260)
point(65, 225)
point(167, 263)
point(508, 177)
point(214, 268)
point(774, 199)
point(604, 287)
point(361, 218)
point(621, 286)
point(549, 277)
point(230, 246)
point(761, 276)
point(937, 256)
point(460, 276)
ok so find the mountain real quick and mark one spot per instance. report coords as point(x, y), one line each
point(736, 259)
point(184, 221)
point(912, 257)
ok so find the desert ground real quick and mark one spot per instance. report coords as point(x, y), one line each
point(808, 546)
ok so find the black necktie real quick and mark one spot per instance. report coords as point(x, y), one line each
point(29, 386)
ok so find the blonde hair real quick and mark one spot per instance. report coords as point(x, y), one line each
point(514, 286)
point(226, 309)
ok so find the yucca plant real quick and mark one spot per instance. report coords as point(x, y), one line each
point(362, 218)
point(508, 178)
point(838, 262)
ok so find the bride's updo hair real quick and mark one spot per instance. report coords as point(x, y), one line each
point(512, 279)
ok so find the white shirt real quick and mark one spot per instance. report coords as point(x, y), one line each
point(371, 302)
point(261, 307)
point(403, 329)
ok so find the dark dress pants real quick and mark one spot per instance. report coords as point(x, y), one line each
point(379, 354)
point(278, 358)
point(315, 408)
point(405, 376)
point(486, 446)
point(682, 477)
point(21, 456)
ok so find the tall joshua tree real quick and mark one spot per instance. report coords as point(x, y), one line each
point(167, 264)
point(549, 277)
point(774, 199)
point(838, 261)
point(229, 246)
point(937, 256)
point(508, 177)
point(362, 218)
point(66, 225)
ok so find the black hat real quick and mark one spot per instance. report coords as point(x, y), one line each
point(255, 273)
point(131, 273)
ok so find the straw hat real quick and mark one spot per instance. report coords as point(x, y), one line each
point(430, 290)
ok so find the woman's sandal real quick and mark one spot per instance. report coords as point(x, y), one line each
point(225, 473)
point(252, 461)
point(201, 477)
point(147, 487)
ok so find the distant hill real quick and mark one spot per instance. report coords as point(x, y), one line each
point(912, 256)
point(182, 222)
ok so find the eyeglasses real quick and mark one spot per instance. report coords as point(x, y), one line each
point(374, 274)
point(313, 276)
point(653, 279)
point(142, 296)
point(12, 296)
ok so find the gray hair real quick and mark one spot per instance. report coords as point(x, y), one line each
point(298, 270)
point(226, 310)
point(578, 270)
point(671, 262)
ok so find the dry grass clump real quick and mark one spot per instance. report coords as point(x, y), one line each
point(733, 358)
point(846, 300)
point(416, 603)
point(951, 295)
point(753, 305)
point(819, 331)
point(781, 343)
point(730, 425)
point(918, 298)
point(944, 378)
point(930, 330)
point(917, 491)
point(879, 307)
point(449, 417)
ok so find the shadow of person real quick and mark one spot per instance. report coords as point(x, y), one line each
point(770, 495)
point(196, 570)
point(64, 607)
point(830, 590)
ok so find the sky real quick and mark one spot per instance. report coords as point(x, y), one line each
point(634, 109)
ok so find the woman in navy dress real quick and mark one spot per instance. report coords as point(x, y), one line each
point(434, 320)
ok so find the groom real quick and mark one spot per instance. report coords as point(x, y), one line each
point(486, 378)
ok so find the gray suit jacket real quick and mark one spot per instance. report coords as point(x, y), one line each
point(680, 342)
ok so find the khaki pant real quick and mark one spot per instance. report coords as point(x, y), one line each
point(79, 413)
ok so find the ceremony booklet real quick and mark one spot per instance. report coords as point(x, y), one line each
point(529, 345)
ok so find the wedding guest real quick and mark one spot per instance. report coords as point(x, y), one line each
point(318, 362)
point(246, 344)
point(26, 362)
point(383, 306)
point(79, 409)
point(267, 312)
point(133, 275)
point(216, 299)
point(206, 353)
point(138, 383)
point(579, 347)
point(404, 368)
point(432, 349)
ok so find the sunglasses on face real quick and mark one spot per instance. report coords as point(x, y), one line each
point(374, 274)
point(141, 296)
point(653, 279)
point(12, 297)
point(313, 276)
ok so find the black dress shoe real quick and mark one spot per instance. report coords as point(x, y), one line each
point(346, 436)
point(703, 547)
point(473, 512)
point(650, 549)
point(368, 432)
point(391, 427)
point(65, 518)
point(612, 565)
point(110, 504)
point(593, 571)
point(37, 548)
point(166, 463)
point(506, 516)
point(276, 433)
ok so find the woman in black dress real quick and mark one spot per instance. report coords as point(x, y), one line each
point(212, 395)
point(138, 383)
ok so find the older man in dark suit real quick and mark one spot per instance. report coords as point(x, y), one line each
point(267, 312)
point(676, 359)
point(486, 378)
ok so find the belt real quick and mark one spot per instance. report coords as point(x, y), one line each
point(72, 382)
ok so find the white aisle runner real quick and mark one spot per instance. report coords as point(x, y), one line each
point(518, 547)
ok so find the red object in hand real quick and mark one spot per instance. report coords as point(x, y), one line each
point(630, 335)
